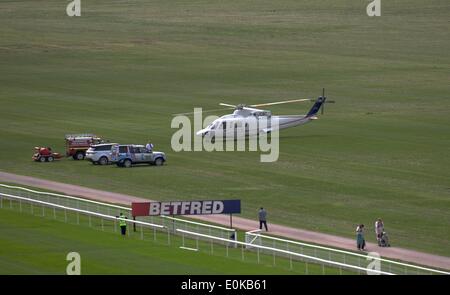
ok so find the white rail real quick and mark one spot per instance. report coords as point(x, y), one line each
point(338, 264)
point(66, 197)
point(319, 260)
point(82, 211)
point(127, 209)
point(110, 205)
point(204, 225)
point(198, 223)
point(210, 237)
point(253, 233)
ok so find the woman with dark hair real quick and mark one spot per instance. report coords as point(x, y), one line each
point(360, 242)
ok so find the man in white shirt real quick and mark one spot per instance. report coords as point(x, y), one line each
point(149, 146)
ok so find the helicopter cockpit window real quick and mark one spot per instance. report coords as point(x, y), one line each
point(262, 114)
point(213, 125)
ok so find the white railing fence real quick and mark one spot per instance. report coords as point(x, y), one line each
point(290, 255)
point(94, 219)
point(255, 238)
point(107, 222)
point(199, 234)
point(171, 223)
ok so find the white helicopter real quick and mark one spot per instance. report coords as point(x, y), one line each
point(243, 115)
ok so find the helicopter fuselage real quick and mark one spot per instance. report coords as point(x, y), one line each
point(248, 121)
point(252, 125)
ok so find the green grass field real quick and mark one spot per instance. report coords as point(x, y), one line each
point(121, 69)
point(32, 244)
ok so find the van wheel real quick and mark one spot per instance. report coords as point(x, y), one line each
point(127, 163)
point(103, 161)
point(41, 159)
point(159, 162)
point(79, 156)
point(50, 159)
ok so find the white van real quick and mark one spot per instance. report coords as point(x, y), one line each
point(100, 153)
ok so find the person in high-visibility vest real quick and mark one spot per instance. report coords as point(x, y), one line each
point(122, 224)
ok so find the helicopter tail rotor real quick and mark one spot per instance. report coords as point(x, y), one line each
point(319, 104)
point(325, 100)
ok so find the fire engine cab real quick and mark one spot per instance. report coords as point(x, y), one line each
point(78, 144)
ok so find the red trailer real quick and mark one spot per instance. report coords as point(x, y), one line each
point(45, 154)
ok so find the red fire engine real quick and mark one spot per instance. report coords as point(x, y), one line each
point(78, 144)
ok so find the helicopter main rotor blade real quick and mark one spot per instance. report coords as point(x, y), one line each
point(280, 102)
point(227, 105)
point(203, 112)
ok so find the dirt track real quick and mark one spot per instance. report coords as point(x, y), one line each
point(238, 222)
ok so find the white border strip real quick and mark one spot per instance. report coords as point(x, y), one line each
point(197, 223)
point(187, 248)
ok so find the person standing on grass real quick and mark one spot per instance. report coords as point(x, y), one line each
point(122, 223)
point(262, 216)
point(360, 242)
point(379, 229)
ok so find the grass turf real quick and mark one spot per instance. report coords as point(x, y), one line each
point(120, 70)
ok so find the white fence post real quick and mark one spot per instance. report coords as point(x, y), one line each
point(212, 247)
point(274, 253)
